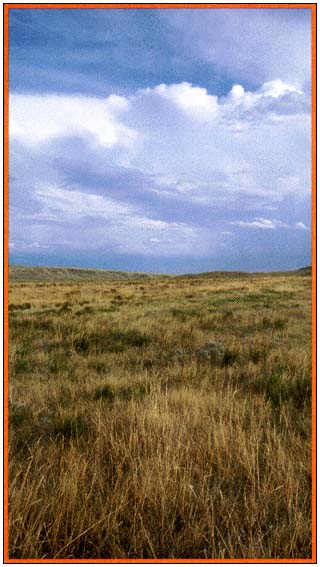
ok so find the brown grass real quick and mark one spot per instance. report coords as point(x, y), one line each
point(165, 420)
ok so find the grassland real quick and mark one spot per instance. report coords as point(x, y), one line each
point(42, 274)
point(164, 418)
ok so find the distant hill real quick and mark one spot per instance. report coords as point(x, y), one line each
point(237, 274)
point(19, 273)
point(216, 274)
point(307, 271)
point(60, 274)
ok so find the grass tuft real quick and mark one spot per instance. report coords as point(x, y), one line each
point(71, 428)
point(104, 393)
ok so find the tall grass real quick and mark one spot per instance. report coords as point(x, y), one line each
point(169, 420)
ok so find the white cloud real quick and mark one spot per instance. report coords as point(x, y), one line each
point(275, 101)
point(122, 226)
point(301, 226)
point(32, 245)
point(194, 101)
point(265, 224)
point(69, 205)
point(195, 159)
point(35, 119)
point(268, 224)
point(278, 88)
point(273, 98)
point(244, 144)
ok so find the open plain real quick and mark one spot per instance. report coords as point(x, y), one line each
point(161, 417)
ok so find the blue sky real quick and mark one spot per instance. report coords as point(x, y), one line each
point(160, 140)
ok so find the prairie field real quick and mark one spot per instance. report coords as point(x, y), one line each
point(161, 417)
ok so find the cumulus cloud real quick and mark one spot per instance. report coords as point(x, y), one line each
point(37, 118)
point(34, 119)
point(161, 172)
point(273, 101)
point(192, 100)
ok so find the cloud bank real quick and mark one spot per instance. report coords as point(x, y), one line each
point(170, 169)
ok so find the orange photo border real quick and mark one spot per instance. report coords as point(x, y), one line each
point(6, 10)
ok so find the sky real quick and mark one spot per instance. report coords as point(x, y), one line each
point(172, 141)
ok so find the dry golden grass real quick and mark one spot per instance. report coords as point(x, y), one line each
point(168, 418)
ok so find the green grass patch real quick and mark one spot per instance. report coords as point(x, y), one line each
point(111, 340)
point(99, 367)
point(277, 324)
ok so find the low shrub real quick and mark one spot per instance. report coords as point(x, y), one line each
point(257, 355)
point(277, 324)
point(19, 414)
point(104, 393)
point(71, 427)
point(110, 340)
point(99, 367)
point(229, 357)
